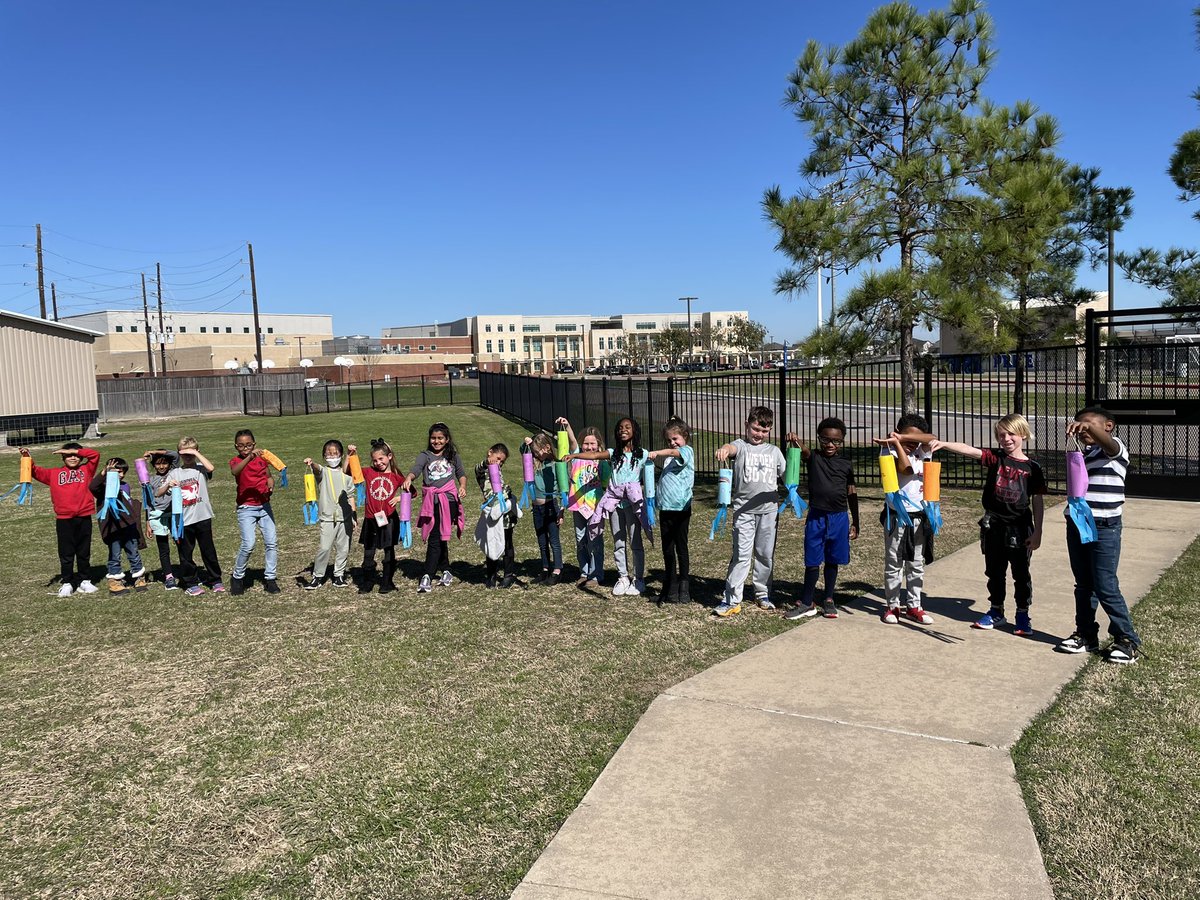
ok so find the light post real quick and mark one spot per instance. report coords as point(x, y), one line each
point(691, 338)
point(301, 340)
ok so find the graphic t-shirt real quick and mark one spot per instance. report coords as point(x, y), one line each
point(678, 477)
point(193, 487)
point(829, 480)
point(757, 469)
point(585, 486)
point(1010, 483)
point(381, 487)
point(435, 470)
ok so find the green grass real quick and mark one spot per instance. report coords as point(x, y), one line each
point(323, 744)
point(1111, 772)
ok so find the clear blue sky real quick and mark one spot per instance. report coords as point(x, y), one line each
point(403, 162)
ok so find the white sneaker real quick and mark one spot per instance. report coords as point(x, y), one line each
point(636, 588)
point(86, 587)
point(66, 590)
point(426, 585)
point(621, 588)
point(446, 580)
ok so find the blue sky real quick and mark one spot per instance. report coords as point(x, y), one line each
point(403, 162)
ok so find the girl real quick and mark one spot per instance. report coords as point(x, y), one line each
point(497, 518)
point(158, 516)
point(623, 498)
point(381, 522)
point(444, 489)
point(586, 488)
point(254, 486)
point(336, 513)
point(547, 516)
point(675, 507)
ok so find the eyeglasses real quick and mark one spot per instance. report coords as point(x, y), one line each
point(831, 442)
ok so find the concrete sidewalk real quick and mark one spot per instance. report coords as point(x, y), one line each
point(848, 758)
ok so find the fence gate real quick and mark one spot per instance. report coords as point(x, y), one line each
point(1144, 366)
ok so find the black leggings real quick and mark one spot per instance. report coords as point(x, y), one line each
point(74, 547)
point(673, 532)
point(437, 551)
point(163, 543)
point(389, 557)
point(493, 567)
point(198, 535)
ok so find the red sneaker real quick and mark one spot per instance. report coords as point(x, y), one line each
point(890, 616)
point(919, 615)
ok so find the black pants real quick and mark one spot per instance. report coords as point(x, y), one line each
point(198, 535)
point(673, 533)
point(163, 542)
point(437, 551)
point(1004, 546)
point(389, 558)
point(74, 548)
point(492, 566)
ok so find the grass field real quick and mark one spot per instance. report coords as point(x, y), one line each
point(1111, 772)
point(326, 744)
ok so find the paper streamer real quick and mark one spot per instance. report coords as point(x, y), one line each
point(278, 465)
point(527, 474)
point(310, 499)
point(791, 480)
point(932, 488)
point(356, 473)
point(112, 504)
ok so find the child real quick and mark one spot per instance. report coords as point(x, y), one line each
point(828, 530)
point(158, 515)
point(120, 531)
point(254, 486)
point(623, 499)
point(757, 468)
point(906, 548)
point(1094, 565)
point(74, 506)
point(191, 475)
point(1011, 527)
point(674, 492)
point(444, 487)
point(586, 489)
point(381, 522)
point(494, 532)
point(335, 514)
point(547, 517)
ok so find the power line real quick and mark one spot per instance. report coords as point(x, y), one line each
point(144, 252)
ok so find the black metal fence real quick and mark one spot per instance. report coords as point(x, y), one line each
point(419, 390)
point(961, 396)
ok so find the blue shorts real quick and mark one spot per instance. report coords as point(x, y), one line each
point(827, 538)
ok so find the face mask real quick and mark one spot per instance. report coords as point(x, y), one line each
point(333, 461)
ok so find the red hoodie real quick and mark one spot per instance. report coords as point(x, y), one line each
point(70, 489)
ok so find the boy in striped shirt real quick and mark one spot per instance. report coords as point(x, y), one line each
point(1094, 565)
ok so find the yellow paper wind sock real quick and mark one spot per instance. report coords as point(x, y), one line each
point(278, 465)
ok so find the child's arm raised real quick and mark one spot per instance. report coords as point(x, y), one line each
point(203, 464)
point(588, 454)
point(954, 447)
point(794, 440)
point(666, 451)
point(562, 422)
point(726, 452)
point(242, 461)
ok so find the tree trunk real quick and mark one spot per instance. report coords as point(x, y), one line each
point(908, 381)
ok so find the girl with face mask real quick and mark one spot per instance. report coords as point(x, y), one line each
point(335, 514)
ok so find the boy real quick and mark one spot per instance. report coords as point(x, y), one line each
point(1094, 565)
point(494, 534)
point(757, 468)
point(119, 530)
point(74, 507)
point(1011, 527)
point(254, 485)
point(191, 475)
point(158, 516)
point(828, 530)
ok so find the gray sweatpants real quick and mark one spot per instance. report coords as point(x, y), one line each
point(335, 536)
point(897, 571)
point(627, 538)
point(753, 535)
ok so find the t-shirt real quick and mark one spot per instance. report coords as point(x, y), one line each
point(253, 482)
point(829, 480)
point(630, 469)
point(163, 503)
point(193, 486)
point(1009, 485)
point(674, 487)
point(435, 469)
point(381, 487)
point(1106, 480)
point(334, 490)
point(545, 480)
point(585, 486)
point(757, 469)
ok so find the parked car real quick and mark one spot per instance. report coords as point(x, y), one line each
point(472, 371)
point(594, 370)
point(565, 369)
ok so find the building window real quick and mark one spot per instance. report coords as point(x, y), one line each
point(610, 343)
point(525, 344)
point(245, 331)
point(183, 330)
point(204, 329)
point(561, 327)
point(433, 346)
point(487, 327)
point(620, 344)
point(489, 346)
point(133, 329)
point(645, 326)
point(407, 348)
point(512, 327)
point(228, 329)
point(512, 346)
point(537, 345)
point(562, 345)
point(420, 346)
point(718, 323)
point(270, 331)
point(120, 328)
point(531, 327)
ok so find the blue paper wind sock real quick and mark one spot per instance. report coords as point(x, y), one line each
point(791, 480)
point(497, 485)
point(1078, 510)
point(527, 473)
point(724, 497)
point(112, 504)
point(176, 512)
point(648, 490)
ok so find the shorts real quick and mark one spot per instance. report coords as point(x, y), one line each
point(159, 521)
point(827, 538)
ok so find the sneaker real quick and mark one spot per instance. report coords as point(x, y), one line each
point(218, 588)
point(765, 603)
point(312, 584)
point(829, 609)
point(801, 611)
point(507, 581)
point(1077, 643)
point(195, 590)
point(636, 588)
point(1022, 625)
point(621, 588)
point(339, 581)
point(86, 587)
point(170, 584)
point(237, 587)
point(725, 610)
point(552, 579)
point(426, 585)
point(271, 586)
point(591, 584)
point(446, 580)
point(1121, 653)
point(66, 590)
point(890, 616)
point(918, 615)
point(991, 619)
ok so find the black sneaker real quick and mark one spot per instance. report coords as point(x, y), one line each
point(339, 581)
point(237, 587)
point(507, 581)
point(1122, 653)
point(312, 584)
point(271, 586)
point(1077, 643)
point(490, 582)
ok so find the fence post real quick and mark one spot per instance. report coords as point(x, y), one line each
point(306, 399)
point(604, 403)
point(397, 384)
point(450, 380)
point(327, 396)
point(783, 416)
point(649, 406)
point(929, 393)
point(245, 402)
point(350, 395)
point(422, 389)
point(670, 396)
point(372, 393)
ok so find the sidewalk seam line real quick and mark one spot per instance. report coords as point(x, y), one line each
point(568, 887)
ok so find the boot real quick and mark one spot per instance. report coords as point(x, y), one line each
point(139, 583)
point(683, 593)
point(117, 586)
point(387, 585)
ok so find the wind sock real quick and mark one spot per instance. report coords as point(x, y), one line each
point(360, 483)
point(143, 474)
point(932, 477)
point(527, 470)
point(406, 519)
point(1078, 510)
point(564, 443)
point(894, 503)
point(648, 491)
point(112, 496)
point(176, 512)
point(24, 487)
point(562, 480)
point(310, 499)
point(791, 480)
point(724, 496)
point(497, 484)
point(605, 473)
point(278, 465)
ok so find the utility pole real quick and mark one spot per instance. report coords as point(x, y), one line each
point(54, 300)
point(254, 303)
point(162, 329)
point(146, 319)
point(820, 307)
point(41, 275)
point(691, 338)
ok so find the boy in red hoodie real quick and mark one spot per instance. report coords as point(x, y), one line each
point(74, 506)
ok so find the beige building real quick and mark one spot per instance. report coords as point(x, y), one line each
point(47, 380)
point(197, 343)
point(1057, 325)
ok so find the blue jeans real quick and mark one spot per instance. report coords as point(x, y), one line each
point(247, 518)
point(127, 543)
point(590, 553)
point(1094, 566)
point(545, 525)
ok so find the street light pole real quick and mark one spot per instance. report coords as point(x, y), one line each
point(691, 340)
